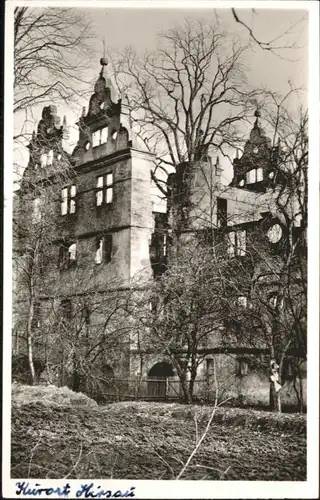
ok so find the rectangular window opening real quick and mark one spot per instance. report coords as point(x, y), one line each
point(237, 243)
point(67, 256)
point(242, 367)
point(64, 201)
point(251, 176)
point(99, 251)
point(68, 200)
point(222, 212)
point(259, 174)
point(109, 187)
point(104, 135)
point(96, 138)
point(103, 251)
point(104, 189)
point(108, 248)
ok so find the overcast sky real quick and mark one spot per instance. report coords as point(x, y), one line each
point(139, 28)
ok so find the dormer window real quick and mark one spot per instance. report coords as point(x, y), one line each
point(104, 189)
point(251, 176)
point(46, 159)
point(100, 137)
point(259, 174)
point(254, 175)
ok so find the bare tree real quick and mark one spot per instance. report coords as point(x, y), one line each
point(85, 331)
point(189, 96)
point(272, 277)
point(182, 311)
point(36, 206)
point(276, 44)
point(51, 52)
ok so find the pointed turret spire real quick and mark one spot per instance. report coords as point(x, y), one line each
point(257, 114)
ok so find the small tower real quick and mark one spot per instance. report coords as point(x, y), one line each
point(256, 169)
point(46, 145)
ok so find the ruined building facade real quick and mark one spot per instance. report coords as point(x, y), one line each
point(107, 238)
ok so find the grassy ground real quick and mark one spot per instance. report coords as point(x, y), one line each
point(58, 436)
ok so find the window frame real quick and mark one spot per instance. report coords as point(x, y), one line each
point(98, 135)
point(65, 262)
point(222, 212)
point(257, 175)
point(106, 250)
point(70, 200)
point(242, 367)
point(103, 189)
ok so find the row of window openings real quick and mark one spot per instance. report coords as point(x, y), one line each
point(240, 301)
point(100, 137)
point(237, 246)
point(68, 254)
point(65, 310)
point(104, 194)
point(274, 301)
point(242, 367)
point(255, 175)
point(46, 159)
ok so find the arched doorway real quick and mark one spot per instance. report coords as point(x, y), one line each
point(157, 379)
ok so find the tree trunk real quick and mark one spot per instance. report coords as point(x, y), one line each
point(301, 399)
point(275, 399)
point(62, 370)
point(182, 374)
point(75, 379)
point(192, 381)
point(75, 374)
point(30, 342)
point(185, 388)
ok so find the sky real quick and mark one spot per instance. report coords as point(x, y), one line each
point(138, 27)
